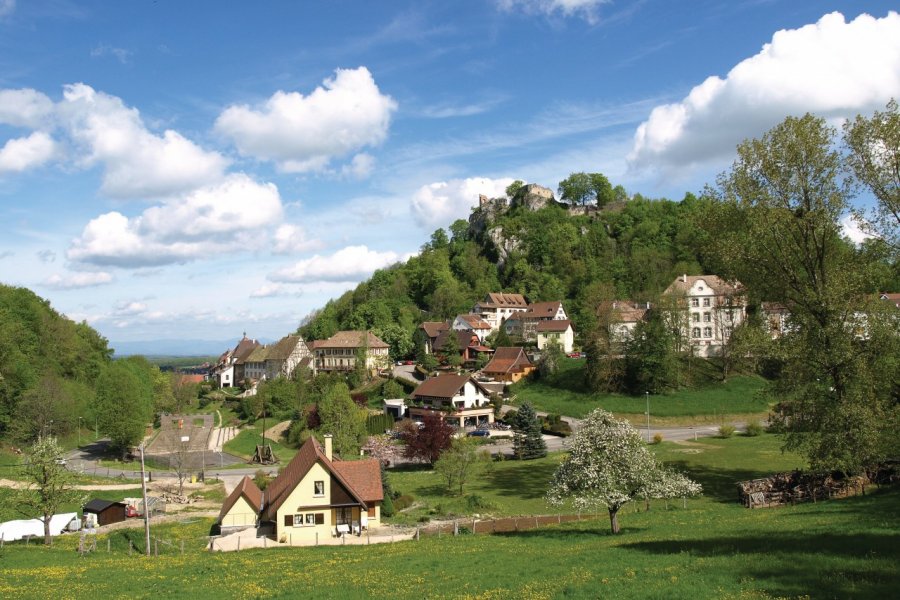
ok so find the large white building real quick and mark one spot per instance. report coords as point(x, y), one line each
point(497, 307)
point(709, 308)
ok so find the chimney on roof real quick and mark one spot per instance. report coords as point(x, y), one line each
point(329, 446)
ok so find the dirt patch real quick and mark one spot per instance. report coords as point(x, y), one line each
point(275, 431)
point(7, 483)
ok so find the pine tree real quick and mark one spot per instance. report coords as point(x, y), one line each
point(527, 441)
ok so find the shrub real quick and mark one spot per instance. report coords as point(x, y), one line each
point(378, 424)
point(475, 502)
point(402, 502)
point(261, 479)
point(754, 428)
point(657, 438)
point(726, 431)
point(204, 401)
point(387, 507)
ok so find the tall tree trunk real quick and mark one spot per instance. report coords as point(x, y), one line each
point(614, 520)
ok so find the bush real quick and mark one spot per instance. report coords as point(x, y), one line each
point(378, 424)
point(204, 401)
point(657, 438)
point(387, 507)
point(726, 431)
point(261, 479)
point(402, 502)
point(754, 428)
point(475, 502)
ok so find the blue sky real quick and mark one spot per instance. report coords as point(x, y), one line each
point(197, 169)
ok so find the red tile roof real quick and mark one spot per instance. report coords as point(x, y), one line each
point(560, 325)
point(246, 489)
point(501, 300)
point(624, 311)
point(364, 475)
point(309, 454)
point(434, 328)
point(507, 360)
point(542, 310)
point(474, 321)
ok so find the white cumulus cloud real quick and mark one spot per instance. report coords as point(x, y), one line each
point(439, 204)
point(352, 263)
point(831, 68)
point(138, 163)
point(304, 133)
point(24, 153)
point(25, 108)
point(229, 216)
point(78, 280)
point(292, 239)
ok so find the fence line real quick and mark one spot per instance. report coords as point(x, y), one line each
point(504, 524)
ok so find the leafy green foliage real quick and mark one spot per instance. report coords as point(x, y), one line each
point(342, 418)
point(581, 188)
point(123, 404)
point(47, 358)
point(460, 462)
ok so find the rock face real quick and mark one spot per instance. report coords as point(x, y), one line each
point(533, 197)
point(505, 246)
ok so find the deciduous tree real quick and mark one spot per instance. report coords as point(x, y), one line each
point(609, 465)
point(49, 484)
point(460, 462)
point(427, 442)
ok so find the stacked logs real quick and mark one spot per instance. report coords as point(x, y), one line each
point(796, 486)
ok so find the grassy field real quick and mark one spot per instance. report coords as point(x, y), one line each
point(714, 548)
point(564, 393)
point(244, 445)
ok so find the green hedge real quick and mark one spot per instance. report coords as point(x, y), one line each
point(378, 424)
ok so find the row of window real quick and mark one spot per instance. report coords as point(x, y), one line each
point(707, 317)
point(696, 301)
point(707, 332)
point(309, 519)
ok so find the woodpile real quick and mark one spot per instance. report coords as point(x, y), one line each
point(797, 486)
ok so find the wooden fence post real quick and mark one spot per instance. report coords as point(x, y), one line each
point(182, 547)
point(473, 525)
point(108, 544)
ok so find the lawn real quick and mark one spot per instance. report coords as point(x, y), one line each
point(838, 549)
point(244, 445)
point(565, 394)
point(9, 512)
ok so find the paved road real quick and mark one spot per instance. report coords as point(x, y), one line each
point(407, 373)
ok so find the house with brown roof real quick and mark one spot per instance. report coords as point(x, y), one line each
point(473, 323)
point(338, 353)
point(524, 324)
point(558, 332)
point(621, 317)
point(497, 307)
point(317, 496)
point(230, 368)
point(709, 308)
point(241, 508)
point(278, 359)
point(465, 342)
point(458, 399)
point(426, 334)
point(509, 364)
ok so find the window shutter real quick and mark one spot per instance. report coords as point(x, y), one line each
point(288, 520)
point(320, 519)
point(372, 511)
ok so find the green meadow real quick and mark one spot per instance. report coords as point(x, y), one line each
point(713, 548)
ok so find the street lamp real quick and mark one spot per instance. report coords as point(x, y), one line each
point(647, 393)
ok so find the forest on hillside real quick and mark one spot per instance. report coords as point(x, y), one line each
point(627, 250)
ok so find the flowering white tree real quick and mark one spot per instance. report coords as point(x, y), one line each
point(609, 465)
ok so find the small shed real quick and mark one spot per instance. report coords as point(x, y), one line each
point(107, 511)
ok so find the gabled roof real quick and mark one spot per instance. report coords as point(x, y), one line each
point(548, 326)
point(365, 477)
point(542, 310)
point(243, 349)
point(624, 311)
point(474, 321)
point(434, 328)
point(309, 454)
point(507, 360)
point(465, 338)
point(501, 300)
point(246, 489)
point(283, 348)
point(683, 284)
point(352, 339)
point(445, 386)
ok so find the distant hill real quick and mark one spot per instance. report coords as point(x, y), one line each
point(178, 347)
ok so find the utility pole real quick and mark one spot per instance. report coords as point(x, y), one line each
point(146, 508)
point(648, 416)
